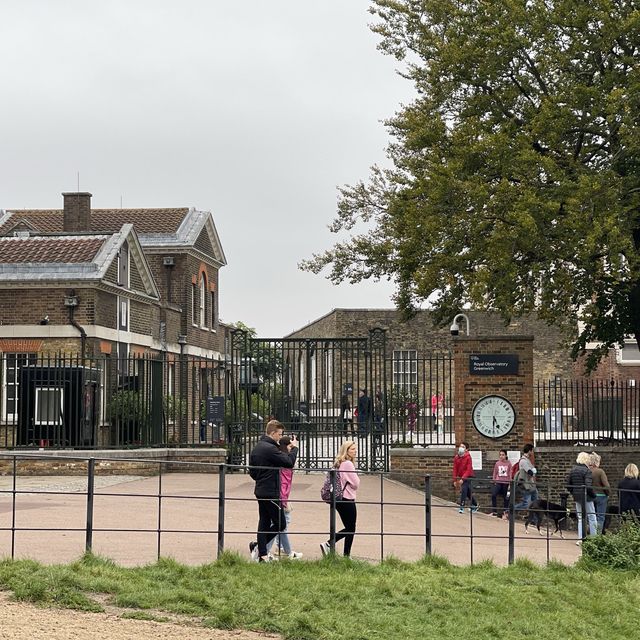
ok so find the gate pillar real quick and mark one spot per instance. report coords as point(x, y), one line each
point(494, 376)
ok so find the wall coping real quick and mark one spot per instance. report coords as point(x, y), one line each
point(406, 452)
point(502, 338)
point(119, 454)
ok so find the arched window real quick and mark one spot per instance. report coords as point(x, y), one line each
point(203, 301)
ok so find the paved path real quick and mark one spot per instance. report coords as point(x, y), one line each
point(188, 515)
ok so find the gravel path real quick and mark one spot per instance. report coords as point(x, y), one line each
point(21, 621)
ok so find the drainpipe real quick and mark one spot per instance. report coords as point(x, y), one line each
point(71, 302)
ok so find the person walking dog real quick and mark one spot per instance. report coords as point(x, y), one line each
point(346, 508)
point(267, 491)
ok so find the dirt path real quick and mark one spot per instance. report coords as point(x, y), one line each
point(21, 621)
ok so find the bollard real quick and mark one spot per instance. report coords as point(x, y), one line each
point(221, 504)
point(427, 514)
point(91, 470)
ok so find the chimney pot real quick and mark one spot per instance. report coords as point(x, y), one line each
point(77, 212)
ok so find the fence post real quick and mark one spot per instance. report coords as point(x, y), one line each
point(427, 514)
point(91, 470)
point(332, 510)
point(512, 523)
point(221, 504)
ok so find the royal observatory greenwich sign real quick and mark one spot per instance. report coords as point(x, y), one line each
point(490, 364)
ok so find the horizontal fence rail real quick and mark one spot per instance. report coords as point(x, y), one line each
point(223, 511)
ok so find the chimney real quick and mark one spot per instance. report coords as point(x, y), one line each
point(77, 212)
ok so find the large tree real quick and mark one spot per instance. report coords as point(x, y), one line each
point(515, 179)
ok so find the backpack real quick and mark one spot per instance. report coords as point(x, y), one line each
point(327, 488)
point(514, 470)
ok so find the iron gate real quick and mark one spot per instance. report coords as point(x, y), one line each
point(324, 390)
point(329, 389)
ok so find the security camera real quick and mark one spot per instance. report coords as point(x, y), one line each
point(455, 327)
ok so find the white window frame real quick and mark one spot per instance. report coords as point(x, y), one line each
point(405, 369)
point(627, 363)
point(328, 373)
point(202, 307)
point(30, 358)
point(194, 293)
point(124, 313)
point(60, 395)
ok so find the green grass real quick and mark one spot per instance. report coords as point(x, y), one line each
point(342, 599)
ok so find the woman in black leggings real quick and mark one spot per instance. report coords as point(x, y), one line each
point(346, 507)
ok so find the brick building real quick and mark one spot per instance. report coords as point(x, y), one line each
point(108, 284)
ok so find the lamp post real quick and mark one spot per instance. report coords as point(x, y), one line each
point(182, 430)
point(455, 327)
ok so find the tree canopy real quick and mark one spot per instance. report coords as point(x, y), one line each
point(515, 173)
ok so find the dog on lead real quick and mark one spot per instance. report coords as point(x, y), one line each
point(553, 511)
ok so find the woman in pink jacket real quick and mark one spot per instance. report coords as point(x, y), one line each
point(346, 507)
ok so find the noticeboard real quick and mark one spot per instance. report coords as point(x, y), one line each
point(493, 364)
point(215, 409)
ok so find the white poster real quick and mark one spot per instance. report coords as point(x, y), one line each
point(476, 460)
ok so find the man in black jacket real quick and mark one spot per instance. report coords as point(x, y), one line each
point(268, 454)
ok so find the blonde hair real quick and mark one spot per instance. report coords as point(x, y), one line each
point(583, 458)
point(343, 453)
point(273, 426)
point(631, 471)
point(595, 459)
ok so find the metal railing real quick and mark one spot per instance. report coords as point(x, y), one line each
point(587, 411)
point(226, 507)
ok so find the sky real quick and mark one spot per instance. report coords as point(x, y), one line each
point(256, 111)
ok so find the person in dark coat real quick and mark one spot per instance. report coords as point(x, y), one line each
point(267, 490)
point(629, 488)
point(364, 412)
point(580, 485)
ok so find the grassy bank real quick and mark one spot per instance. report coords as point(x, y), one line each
point(346, 600)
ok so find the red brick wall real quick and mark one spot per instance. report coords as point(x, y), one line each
point(518, 389)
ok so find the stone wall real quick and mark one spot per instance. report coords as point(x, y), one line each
point(144, 462)
point(553, 463)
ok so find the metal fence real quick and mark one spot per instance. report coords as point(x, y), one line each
point(587, 412)
point(220, 510)
point(70, 401)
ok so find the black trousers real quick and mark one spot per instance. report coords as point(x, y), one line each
point(348, 514)
point(271, 522)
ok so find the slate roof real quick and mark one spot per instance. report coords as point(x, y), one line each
point(50, 250)
point(146, 221)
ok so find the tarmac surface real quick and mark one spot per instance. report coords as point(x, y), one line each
point(129, 510)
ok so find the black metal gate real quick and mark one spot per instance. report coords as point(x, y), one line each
point(325, 390)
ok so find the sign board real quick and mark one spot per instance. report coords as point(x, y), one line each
point(476, 460)
point(347, 388)
point(513, 456)
point(490, 364)
point(215, 409)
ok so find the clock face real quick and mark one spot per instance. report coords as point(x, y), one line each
point(493, 416)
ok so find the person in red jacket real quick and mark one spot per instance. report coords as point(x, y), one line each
point(462, 474)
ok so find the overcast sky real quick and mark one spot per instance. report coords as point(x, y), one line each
point(253, 110)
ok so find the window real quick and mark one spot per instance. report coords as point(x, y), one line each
point(13, 362)
point(213, 309)
point(48, 409)
point(405, 370)
point(328, 373)
point(194, 320)
point(123, 314)
point(629, 354)
point(203, 301)
point(123, 265)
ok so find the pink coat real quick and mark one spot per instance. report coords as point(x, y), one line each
point(350, 479)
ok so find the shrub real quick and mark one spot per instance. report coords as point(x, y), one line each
point(620, 550)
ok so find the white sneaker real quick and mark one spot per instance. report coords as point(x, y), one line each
point(253, 551)
point(295, 555)
point(325, 548)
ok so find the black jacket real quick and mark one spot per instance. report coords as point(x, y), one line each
point(629, 495)
point(580, 477)
point(267, 454)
